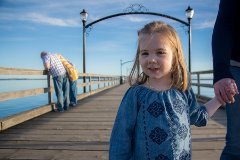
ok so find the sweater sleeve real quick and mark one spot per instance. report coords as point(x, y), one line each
point(222, 39)
point(198, 113)
point(121, 137)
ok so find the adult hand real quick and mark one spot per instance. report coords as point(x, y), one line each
point(222, 91)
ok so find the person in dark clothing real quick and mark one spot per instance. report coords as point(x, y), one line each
point(226, 69)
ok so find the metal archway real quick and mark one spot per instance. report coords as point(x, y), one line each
point(136, 9)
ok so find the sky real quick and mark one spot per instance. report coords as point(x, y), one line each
point(28, 27)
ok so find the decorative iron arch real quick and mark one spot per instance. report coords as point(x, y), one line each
point(149, 13)
point(136, 9)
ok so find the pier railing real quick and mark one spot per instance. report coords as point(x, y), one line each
point(196, 81)
point(102, 82)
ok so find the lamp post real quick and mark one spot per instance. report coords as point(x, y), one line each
point(189, 13)
point(122, 63)
point(84, 16)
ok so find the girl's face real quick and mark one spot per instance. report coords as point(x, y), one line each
point(155, 56)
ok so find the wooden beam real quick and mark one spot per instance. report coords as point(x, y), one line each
point(15, 71)
point(24, 116)
point(202, 85)
point(23, 93)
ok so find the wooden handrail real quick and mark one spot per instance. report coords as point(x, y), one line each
point(23, 93)
point(16, 71)
point(101, 79)
point(203, 72)
point(202, 85)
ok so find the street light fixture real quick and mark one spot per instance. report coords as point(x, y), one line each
point(84, 16)
point(122, 63)
point(189, 13)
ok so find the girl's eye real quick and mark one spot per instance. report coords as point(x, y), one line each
point(144, 53)
point(161, 52)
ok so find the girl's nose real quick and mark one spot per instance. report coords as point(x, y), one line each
point(152, 59)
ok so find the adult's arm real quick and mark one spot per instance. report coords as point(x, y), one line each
point(222, 39)
point(47, 66)
point(46, 62)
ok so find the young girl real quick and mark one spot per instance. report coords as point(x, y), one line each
point(153, 120)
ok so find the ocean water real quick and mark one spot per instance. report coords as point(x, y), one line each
point(14, 106)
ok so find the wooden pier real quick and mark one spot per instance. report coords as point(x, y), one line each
point(82, 133)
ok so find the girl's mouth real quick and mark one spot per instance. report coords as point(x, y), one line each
point(153, 69)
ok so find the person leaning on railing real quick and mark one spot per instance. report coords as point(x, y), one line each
point(60, 79)
point(226, 69)
point(73, 77)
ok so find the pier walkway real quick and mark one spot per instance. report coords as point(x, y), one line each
point(82, 133)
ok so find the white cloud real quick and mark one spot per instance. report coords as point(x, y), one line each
point(39, 18)
point(205, 25)
point(43, 19)
point(135, 19)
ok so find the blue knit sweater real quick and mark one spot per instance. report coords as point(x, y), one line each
point(154, 125)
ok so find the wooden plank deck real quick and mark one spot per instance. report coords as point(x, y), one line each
point(83, 132)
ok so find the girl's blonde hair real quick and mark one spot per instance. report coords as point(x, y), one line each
point(179, 70)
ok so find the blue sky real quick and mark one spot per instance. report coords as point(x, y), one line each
point(28, 27)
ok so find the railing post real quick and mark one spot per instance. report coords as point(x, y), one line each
point(104, 82)
point(99, 79)
point(198, 82)
point(49, 89)
point(90, 85)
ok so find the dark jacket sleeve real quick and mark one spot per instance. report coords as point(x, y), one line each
point(222, 39)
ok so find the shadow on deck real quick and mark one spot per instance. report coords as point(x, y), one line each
point(82, 133)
